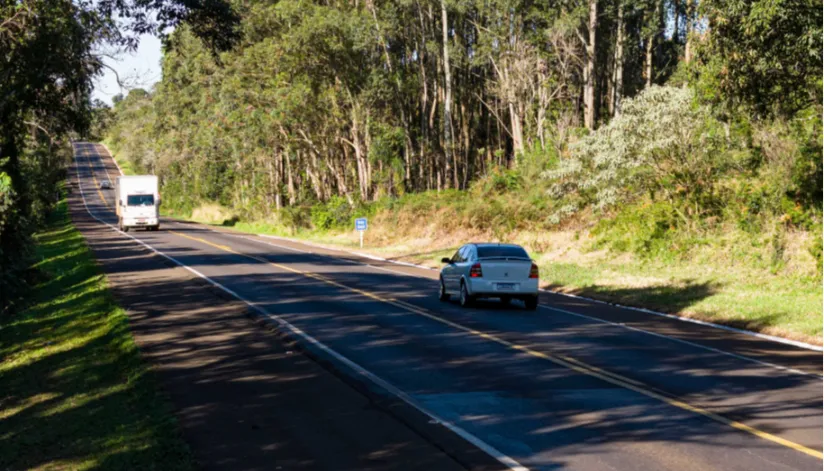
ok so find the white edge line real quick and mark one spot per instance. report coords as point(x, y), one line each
point(685, 342)
point(255, 239)
point(771, 338)
point(511, 463)
point(564, 311)
point(111, 155)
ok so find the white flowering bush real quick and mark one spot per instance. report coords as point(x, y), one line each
point(663, 145)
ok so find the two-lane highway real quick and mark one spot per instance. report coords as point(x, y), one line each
point(576, 385)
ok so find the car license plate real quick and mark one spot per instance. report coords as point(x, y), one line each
point(506, 286)
point(141, 220)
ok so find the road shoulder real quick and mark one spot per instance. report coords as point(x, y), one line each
point(245, 398)
point(75, 393)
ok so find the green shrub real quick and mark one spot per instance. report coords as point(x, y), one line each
point(645, 229)
point(816, 250)
point(334, 214)
point(295, 217)
point(497, 180)
point(806, 176)
point(663, 146)
point(534, 162)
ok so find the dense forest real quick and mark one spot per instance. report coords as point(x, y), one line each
point(539, 114)
point(364, 100)
point(50, 53)
point(683, 116)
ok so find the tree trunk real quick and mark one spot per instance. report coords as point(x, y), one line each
point(589, 72)
point(618, 81)
point(517, 130)
point(290, 181)
point(360, 158)
point(676, 17)
point(447, 104)
point(651, 44)
point(688, 32)
point(341, 181)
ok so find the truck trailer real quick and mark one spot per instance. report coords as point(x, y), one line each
point(137, 202)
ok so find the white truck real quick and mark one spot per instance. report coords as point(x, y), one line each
point(138, 202)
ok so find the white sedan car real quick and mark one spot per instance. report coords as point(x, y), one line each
point(502, 271)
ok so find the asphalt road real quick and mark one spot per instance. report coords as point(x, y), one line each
point(575, 385)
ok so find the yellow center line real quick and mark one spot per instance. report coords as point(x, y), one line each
point(97, 185)
point(562, 360)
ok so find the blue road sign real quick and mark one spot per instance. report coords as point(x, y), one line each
point(360, 224)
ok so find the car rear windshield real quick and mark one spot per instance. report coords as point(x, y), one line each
point(140, 200)
point(493, 251)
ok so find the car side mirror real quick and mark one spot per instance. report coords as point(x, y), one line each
point(446, 260)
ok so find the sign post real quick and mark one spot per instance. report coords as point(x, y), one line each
point(360, 226)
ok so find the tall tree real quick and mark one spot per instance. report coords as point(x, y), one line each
point(762, 55)
point(618, 61)
point(447, 101)
point(589, 71)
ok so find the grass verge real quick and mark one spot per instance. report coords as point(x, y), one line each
point(125, 166)
point(715, 283)
point(74, 393)
point(768, 282)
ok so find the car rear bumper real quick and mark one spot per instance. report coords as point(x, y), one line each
point(497, 288)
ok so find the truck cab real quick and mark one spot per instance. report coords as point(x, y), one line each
point(137, 202)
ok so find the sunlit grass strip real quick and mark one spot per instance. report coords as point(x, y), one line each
point(74, 393)
point(745, 296)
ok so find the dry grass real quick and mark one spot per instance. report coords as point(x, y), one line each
point(727, 276)
point(211, 213)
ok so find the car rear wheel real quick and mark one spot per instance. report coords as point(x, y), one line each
point(531, 303)
point(466, 299)
point(443, 295)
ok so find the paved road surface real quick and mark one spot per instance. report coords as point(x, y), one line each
point(575, 385)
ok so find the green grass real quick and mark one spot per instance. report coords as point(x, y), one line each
point(124, 164)
point(789, 306)
point(718, 281)
point(74, 393)
point(722, 275)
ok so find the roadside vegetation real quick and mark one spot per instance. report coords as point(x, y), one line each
point(647, 152)
point(75, 394)
point(51, 53)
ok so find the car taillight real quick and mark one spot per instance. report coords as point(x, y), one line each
point(533, 271)
point(475, 271)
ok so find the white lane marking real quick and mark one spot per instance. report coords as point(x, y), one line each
point(105, 168)
point(351, 252)
point(563, 311)
point(685, 342)
point(504, 459)
point(112, 157)
point(599, 320)
point(253, 239)
point(771, 338)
